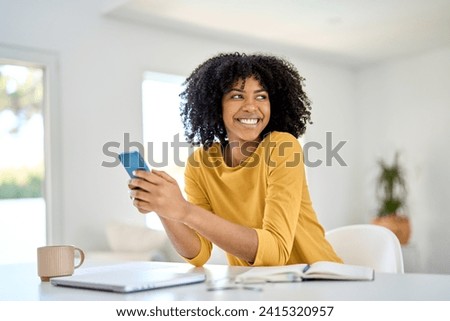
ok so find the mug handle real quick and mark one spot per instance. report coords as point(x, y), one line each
point(81, 257)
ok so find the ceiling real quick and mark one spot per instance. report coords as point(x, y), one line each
point(354, 32)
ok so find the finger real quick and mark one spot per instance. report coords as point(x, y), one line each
point(150, 177)
point(142, 206)
point(141, 173)
point(133, 184)
point(139, 183)
point(154, 177)
point(139, 194)
point(164, 175)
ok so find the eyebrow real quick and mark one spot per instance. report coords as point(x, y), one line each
point(241, 90)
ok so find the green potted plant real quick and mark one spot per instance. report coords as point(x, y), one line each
point(392, 193)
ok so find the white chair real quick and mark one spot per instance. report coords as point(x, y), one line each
point(368, 245)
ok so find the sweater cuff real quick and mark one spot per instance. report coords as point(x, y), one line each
point(261, 252)
point(204, 254)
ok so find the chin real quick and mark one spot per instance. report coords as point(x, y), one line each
point(251, 138)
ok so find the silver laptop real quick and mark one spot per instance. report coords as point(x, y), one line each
point(131, 277)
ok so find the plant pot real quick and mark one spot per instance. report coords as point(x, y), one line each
point(398, 224)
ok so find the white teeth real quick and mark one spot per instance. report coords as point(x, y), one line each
point(248, 121)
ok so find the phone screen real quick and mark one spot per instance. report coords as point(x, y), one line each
point(133, 161)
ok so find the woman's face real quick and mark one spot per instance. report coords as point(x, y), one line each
point(245, 110)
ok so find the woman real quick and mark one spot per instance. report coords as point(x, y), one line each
point(246, 188)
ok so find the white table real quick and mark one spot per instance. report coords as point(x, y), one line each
point(21, 283)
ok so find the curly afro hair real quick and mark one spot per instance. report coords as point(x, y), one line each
point(201, 107)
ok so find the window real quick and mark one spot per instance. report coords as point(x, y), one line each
point(163, 130)
point(30, 189)
point(163, 133)
point(22, 206)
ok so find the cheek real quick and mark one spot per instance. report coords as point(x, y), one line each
point(228, 111)
point(267, 111)
point(227, 116)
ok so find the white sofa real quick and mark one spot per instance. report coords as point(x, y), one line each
point(130, 242)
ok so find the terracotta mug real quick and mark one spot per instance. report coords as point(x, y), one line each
point(57, 260)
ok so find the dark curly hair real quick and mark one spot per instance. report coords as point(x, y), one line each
point(201, 107)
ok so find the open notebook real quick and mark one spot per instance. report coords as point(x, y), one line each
point(322, 270)
point(130, 277)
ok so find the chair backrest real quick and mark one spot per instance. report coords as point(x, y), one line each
point(368, 245)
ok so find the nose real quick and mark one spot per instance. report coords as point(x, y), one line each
point(250, 105)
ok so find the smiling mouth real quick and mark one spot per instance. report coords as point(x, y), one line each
point(248, 121)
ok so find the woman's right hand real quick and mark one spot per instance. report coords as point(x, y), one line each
point(159, 192)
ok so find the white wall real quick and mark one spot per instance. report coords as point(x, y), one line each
point(101, 62)
point(404, 105)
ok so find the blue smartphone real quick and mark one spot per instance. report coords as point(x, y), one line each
point(133, 161)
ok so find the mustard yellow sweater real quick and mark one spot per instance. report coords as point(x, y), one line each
point(267, 192)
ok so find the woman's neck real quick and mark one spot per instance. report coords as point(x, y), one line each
point(235, 152)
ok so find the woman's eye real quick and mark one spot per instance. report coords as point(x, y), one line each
point(261, 97)
point(236, 96)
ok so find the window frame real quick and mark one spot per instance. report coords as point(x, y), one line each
point(53, 184)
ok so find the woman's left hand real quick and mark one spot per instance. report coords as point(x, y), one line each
point(157, 191)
